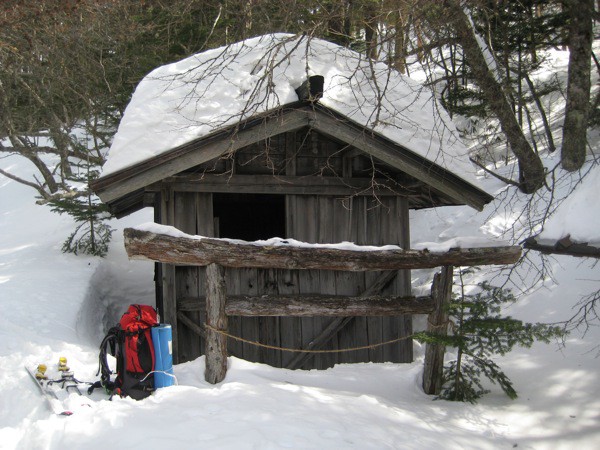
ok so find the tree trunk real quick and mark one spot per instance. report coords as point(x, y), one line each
point(530, 165)
point(371, 32)
point(578, 87)
point(536, 99)
point(399, 42)
point(338, 22)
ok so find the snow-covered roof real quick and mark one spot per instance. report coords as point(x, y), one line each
point(180, 102)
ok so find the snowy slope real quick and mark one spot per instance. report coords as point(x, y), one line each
point(580, 214)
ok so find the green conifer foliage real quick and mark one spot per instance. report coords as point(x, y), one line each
point(479, 332)
point(92, 233)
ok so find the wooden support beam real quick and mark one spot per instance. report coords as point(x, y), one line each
point(192, 251)
point(339, 323)
point(563, 246)
point(437, 323)
point(216, 319)
point(309, 305)
point(196, 328)
point(283, 184)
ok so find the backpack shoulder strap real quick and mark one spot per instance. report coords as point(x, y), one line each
point(108, 345)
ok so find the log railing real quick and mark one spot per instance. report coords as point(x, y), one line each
point(176, 248)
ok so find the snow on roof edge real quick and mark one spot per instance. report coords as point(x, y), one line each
point(183, 101)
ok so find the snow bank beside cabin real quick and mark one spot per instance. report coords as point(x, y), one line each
point(196, 96)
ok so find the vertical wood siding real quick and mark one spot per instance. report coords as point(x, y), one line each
point(311, 218)
point(319, 219)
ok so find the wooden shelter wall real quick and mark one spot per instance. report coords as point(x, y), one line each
point(307, 151)
point(319, 219)
point(310, 218)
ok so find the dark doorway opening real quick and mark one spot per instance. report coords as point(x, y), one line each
point(249, 216)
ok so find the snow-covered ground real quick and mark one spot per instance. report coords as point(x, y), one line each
point(53, 305)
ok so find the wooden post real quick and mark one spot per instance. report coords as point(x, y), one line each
point(169, 279)
point(433, 369)
point(216, 343)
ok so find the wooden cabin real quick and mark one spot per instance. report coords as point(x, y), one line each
point(301, 171)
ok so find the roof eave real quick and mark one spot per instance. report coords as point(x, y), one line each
point(116, 186)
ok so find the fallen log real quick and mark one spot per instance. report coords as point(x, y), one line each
point(195, 251)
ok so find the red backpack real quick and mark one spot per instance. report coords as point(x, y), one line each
point(130, 342)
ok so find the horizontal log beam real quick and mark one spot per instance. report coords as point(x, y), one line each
point(193, 251)
point(308, 305)
point(339, 323)
point(563, 247)
point(282, 184)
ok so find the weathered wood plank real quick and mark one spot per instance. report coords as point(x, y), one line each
point(169, 296)
point(354, 334)
point(191, 154)
point(286, 329)
point(289, 327)
point(250, 326)
point(399, 157)
point(339, 323)
point(283, 184)
point(234, 323)
point(433, 367)
point(201, 252)
point(390, 226)
point(371, 235)
point(307, 305)
point(319, 342)
point(402, 284)
point(216, 343)
point(323, 234)
point(193, 326)
point(187, 277)
point(268, 327)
